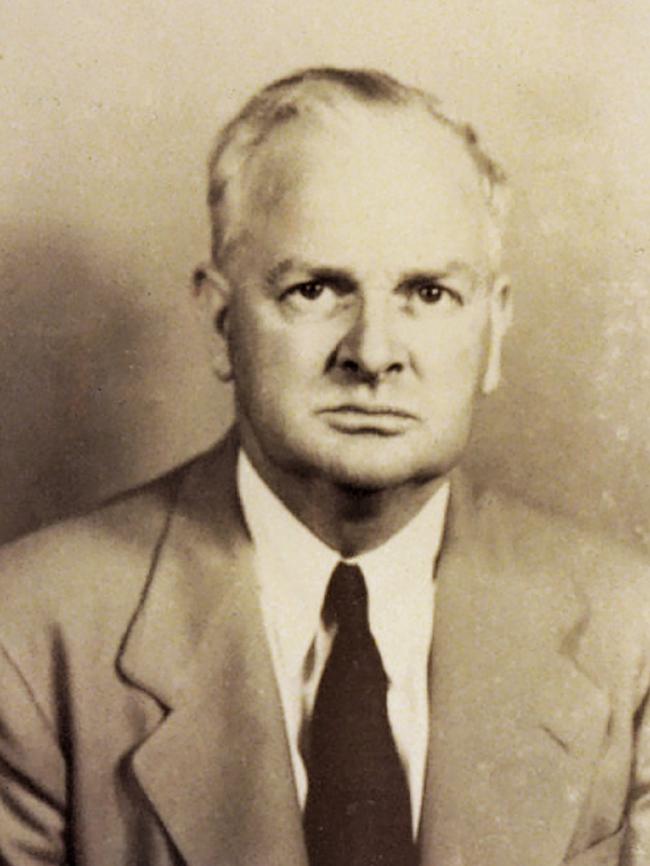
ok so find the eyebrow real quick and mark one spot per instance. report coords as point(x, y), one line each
point(314, 272)
point(344, 277)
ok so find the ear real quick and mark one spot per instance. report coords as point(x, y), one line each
point(500, 321)
point(213, 293)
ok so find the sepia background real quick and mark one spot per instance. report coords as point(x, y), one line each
point(107, 112)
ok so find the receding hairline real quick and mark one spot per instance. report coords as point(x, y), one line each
point(312, 94)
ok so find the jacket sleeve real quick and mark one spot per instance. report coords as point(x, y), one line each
point(636, 844)
point(32, 776)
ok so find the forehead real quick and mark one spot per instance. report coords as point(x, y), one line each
point(383, 183)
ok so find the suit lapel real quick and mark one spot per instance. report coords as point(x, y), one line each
point(515, 723)
point(217, 770)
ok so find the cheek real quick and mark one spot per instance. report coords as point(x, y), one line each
point(454, 360)
point(251, 340)
point(265, 352)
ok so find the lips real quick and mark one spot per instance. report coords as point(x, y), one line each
point(373, 411)
point(377, 420)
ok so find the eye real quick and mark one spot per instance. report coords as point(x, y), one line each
point(430, 294)
point(309, 291)
point(434, 293)
point(316, 297)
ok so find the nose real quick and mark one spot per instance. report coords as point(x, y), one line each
point(369, 350)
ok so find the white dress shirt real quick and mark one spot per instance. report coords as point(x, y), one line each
point(293, 569)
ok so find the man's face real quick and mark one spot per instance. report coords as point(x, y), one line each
point(360, 305)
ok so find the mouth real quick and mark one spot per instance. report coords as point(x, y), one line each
point(378, 420)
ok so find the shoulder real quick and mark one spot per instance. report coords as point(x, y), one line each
point(609, 575)
point(95, 562)
point(73, 591)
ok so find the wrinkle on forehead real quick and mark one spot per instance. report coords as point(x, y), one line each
point(387, 169)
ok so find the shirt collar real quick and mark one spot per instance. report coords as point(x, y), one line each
point(294, 568)
point(399, 576)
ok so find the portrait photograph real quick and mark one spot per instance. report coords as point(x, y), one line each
point(324, 441)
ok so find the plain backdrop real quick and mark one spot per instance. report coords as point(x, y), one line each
point(107, 111)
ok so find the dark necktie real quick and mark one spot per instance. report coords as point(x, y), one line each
point(358, 810)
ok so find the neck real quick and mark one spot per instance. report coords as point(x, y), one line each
point(348, 519)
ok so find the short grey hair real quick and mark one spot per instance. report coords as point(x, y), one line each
point(312, 92)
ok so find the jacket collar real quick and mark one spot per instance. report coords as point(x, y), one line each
point(514, 720)
point(217, 770)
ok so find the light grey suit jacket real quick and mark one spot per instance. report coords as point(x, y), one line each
point(140, 722)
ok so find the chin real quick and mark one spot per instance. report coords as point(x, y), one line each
point(377, 469)
point(369, 480)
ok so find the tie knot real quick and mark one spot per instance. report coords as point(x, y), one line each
point(346, 600)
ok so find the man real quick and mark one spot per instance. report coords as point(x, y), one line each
point(240, 663)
